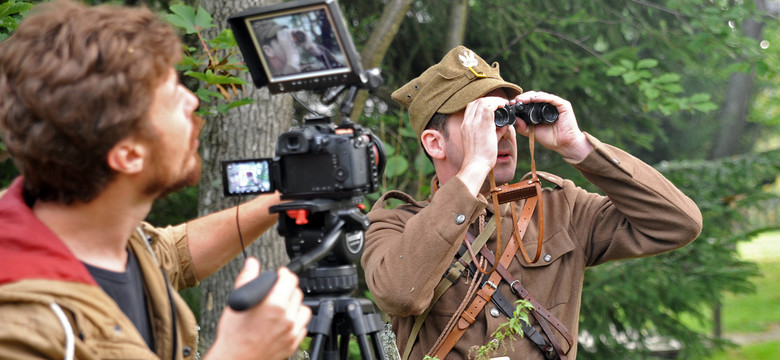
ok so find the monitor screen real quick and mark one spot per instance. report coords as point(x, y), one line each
point(300, 45)
point(243, 177)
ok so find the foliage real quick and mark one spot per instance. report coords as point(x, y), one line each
point(643, 298)
point(214, 64)
point(644, 77)
point(11, 12)
point(506, 334)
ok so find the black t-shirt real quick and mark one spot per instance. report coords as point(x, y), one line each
point(127, 290)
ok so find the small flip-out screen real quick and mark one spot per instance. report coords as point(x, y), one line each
point(299, 45)
point(246, 177)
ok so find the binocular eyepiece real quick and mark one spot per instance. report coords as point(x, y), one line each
point(531, 113)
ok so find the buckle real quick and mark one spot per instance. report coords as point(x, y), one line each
point(512, 287)
point(490, 283)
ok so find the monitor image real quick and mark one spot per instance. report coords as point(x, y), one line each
point(244, 177)
point(299, 45)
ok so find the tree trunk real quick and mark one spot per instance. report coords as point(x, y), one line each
point(733, 116)
point(458, 14)
point(375, 49)
point(248, 131)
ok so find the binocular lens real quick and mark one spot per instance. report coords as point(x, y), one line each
point(532, 114)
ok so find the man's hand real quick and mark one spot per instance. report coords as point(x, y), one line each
point(479, 139)
point(290, 49)
point(271, 330)
point(563, 136)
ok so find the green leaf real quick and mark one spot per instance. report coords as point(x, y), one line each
point(628, 64)
point(396, 165)
point(206, 94)
point(185, 17)
point(203, 19)
point(668, 78)
point(705, 107)
point(652, 93)
point(700, 98)
point(13, 7)
point(672, 88)
point(422, 165)
point(616, 70)
point(225, 40)
point(631, 77)
point(241, 102)
point(646, 63)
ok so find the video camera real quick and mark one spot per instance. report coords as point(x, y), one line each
point(323, 168)
point(346, 160)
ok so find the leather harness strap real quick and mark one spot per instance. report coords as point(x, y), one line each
point(542, 315)
point(453, 274)
point(484, 294)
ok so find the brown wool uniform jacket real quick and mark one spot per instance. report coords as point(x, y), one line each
point(409, 248)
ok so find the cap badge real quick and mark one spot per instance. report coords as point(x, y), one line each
point(469, 59)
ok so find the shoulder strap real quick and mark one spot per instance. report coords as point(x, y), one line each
point(484, 294)
point(450, 277)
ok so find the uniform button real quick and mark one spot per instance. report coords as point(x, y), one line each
point(460, 219)
point(494, 312)
point(547, 258)
point(186, 351)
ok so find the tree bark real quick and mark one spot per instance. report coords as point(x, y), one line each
point(458, 14)
point(375, 49)
point(248, 131)
point(733, 117)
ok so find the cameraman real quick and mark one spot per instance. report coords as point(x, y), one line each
point(409, 248)
point(94, 116)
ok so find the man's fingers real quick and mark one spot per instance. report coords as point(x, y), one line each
point(250, 271)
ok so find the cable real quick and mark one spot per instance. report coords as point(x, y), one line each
point(238, 226)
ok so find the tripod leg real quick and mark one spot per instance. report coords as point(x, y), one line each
point(355, 314)
point(319, 327)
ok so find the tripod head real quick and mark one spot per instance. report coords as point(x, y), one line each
point(324, 238)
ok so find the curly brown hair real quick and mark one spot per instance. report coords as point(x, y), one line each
point(74, 81)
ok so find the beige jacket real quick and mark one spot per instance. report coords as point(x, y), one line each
point(409, 248)
point(51, 308)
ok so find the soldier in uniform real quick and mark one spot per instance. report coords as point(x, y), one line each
point(409, 248)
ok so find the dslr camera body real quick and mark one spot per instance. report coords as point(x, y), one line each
point(316, 160)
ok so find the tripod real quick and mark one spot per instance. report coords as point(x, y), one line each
point(325, 243)
point(335, 230)
point(335, 319)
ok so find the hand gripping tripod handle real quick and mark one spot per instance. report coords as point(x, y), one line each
point(252, 292)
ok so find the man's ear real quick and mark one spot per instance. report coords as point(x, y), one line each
point(433, 142)
point(127, 156)
point(267, 50)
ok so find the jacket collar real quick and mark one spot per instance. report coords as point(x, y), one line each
point(29, 249)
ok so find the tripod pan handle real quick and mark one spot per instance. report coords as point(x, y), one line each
point(252, 292)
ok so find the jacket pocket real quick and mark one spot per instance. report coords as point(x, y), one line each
point(550, 280)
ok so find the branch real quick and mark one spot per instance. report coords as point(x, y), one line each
point(576, 42)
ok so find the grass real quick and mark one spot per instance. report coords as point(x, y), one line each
point(765, 350)
point(757, 312)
